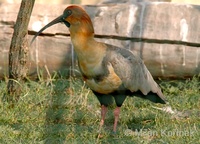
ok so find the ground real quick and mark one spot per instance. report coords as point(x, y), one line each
point(65, 111)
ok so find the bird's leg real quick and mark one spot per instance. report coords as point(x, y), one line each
point(104, 110)
point(116, 114)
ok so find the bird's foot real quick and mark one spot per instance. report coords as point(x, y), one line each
point(100, 135)
point(113, 133)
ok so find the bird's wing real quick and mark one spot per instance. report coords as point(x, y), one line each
point(132, 71)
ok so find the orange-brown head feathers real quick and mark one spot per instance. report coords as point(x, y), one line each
point(78, 20)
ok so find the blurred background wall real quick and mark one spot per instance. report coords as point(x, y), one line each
point(197, 2)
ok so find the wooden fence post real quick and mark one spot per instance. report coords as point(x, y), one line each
point(19, 51)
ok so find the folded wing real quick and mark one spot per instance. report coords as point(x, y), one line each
point(134, 74)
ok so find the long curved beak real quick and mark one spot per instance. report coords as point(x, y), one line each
point(55, 21)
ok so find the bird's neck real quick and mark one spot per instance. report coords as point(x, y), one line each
point(90, 53)
point(85, 46)
point(83, 40)
point(81, 31)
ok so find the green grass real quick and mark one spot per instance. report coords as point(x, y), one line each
point(65, 111)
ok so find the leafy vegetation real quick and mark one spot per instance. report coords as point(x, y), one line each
point(65, 111)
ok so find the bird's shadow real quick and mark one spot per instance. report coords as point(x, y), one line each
point(61, 119)
point(55, 123)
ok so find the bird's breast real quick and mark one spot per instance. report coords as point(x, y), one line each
point(90, 68)
point(109, 83)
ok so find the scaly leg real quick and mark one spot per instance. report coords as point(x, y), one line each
point(116, 114)
point(104, 110)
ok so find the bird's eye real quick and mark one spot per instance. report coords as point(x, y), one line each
point(67, 13)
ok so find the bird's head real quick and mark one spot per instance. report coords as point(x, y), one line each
point(75, 18)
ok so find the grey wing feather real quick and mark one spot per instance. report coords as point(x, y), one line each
point(133, 73)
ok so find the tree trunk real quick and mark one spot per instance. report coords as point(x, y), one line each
point(19, 51)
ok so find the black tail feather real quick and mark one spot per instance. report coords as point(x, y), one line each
point(153, 97)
